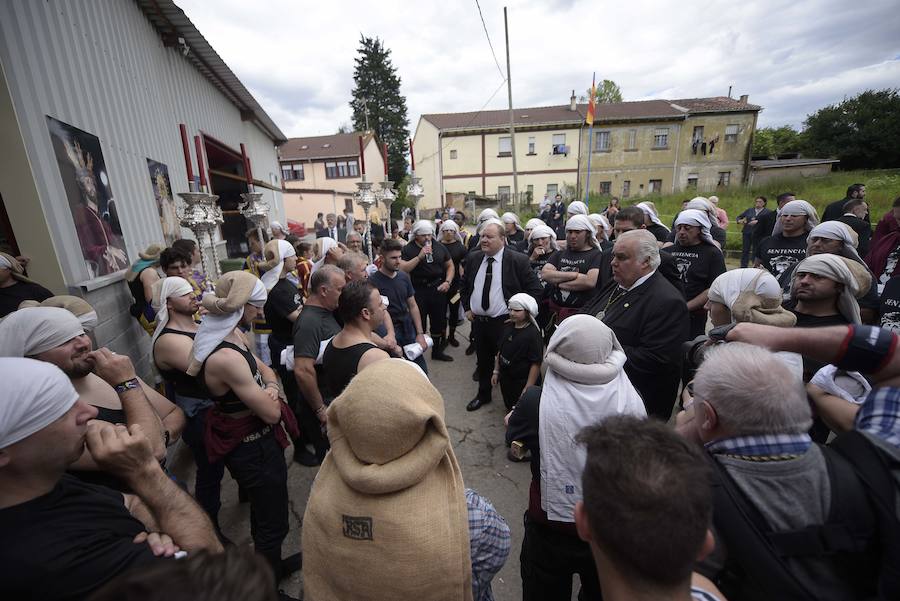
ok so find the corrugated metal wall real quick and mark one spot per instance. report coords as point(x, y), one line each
point(100, 66)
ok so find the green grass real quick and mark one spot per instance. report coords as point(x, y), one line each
point(882, 187)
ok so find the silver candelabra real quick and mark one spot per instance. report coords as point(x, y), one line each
point(415, 192)
point(256, 211)
point(201, 214)
point(366, 199)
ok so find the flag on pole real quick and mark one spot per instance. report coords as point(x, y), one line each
point(591, 103)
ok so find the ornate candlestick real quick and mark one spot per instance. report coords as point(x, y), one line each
point(214, 219)
point(194, 215)
point(366, 199)
point(387, 195)
point(415, 191)
point(256, 211)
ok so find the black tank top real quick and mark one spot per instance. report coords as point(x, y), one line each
point(340, 365)
point(230, 402)
point(136, 287)
point(184, 385)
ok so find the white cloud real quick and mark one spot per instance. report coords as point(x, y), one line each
point(790, 57)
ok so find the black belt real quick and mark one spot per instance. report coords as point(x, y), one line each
point(428, 284)
point(485, 318)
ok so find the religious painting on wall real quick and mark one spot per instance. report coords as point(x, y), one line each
point(162, 190)
point(91, 201)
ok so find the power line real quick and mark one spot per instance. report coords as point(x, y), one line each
point(496, 62)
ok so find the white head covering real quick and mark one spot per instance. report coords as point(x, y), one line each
point(698, 219)
point(219, 323)
point(533, 223)
point(851, 386)
point(35, 394)
point(511, 218)
point(751, 295)
point(33, 330)
point(544, 231)
point(581, 222)
point(703, 204)
point(576, 207)
point(838, 230)
point(648, 210)
point(450, 225)
point(275, 224)
point(325, 245)
point(585, 382)
point(422, 227)
point(484, 217)
point(76, 305)
point(797, 207)
point(854, 276)
point(491, 221)
point(163, 290)
point(525, 302)
point(285, 249)
point(602, 224)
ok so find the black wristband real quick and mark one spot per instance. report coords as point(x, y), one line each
point(866, 349)
point(719, 333)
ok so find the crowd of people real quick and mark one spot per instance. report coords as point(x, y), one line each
point(693, 432)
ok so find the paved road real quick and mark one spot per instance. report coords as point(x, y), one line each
point(478, 440)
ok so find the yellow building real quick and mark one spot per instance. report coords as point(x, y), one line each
point(637, 148)
point(320, 173)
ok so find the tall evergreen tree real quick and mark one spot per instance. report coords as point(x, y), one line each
point(376, 91)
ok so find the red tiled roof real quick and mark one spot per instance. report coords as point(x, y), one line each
point(322, 147)
point(614, 111)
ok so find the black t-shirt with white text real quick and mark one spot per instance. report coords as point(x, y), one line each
point(68, 543)
point(777, 253)
point(890, 305)
point(580, 261)
point(697, 265)
point(425, 273)
point(284, 298)
point(519, 349)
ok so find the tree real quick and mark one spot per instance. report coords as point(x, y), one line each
point(863, 131)
point(344, 128)
point(607, 91)
point(376, 94)
point(772, 141)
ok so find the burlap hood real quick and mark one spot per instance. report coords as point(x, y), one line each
point(386, 517)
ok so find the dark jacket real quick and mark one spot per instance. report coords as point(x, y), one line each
point(836, 209)
point(765, 225)
point(517, 275)
point(750, 215)
point(342, 234)
point(863, 230)
point(666, 267)
point(651, 323)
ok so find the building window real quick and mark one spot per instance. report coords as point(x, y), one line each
point(452, 154)
point(292, 172)
point(626, 187)
point(698, 134)
point(505, 146)
point(531, 145)
point(503, 193)
point(693, 178)
point(605, 188)
point(724, 178)
point(632, 139)
point(731, 133)
point(661, 137)
point(338, 169)
point(559, 144)
point(552, 191)
point(655, 186)
point(601, 141)
point(529, 193)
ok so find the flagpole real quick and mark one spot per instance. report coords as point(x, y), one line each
point(590, 149)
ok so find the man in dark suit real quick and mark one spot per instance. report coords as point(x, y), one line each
point(492, 275)
point(331, 230)
point(749, 220)
point(856, 215)
point(649, 317)
point(839, 207)
point(765, 224)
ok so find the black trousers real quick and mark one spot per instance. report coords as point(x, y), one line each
point(487, 333)
point(698, 323)
point(511, 389)
point(310, 427)
point(433, 309)
point(208, 479)
point(548, 561)
point(746, 248)
point(260, 470)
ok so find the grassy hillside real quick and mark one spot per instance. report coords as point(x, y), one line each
point(882, 187)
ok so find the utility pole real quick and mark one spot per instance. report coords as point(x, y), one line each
point(512, 126)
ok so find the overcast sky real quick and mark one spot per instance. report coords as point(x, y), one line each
point(791, 57)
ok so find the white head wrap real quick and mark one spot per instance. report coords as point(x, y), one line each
point(525, 302)
point(533, 223)
point(33, 330)
point(491, 221)
point(76, 305)
point(544, 231)
point(422, 227)
point(585, 382)
point(851, 386)
point(4, 263)
point(325, 245)
point(216, 326)
point(703, 204)
point(511, 218)
point(602, 224)
point(581, 222)
point(487, 214)
point(285, 249)
point(797, 207)
point(35, 394)
point(854, 276)
point(163, 290)
point(576, 207)
point(275, 225)
point(648, 210)
point(752, 295)
point(450, 226)
point(698, 219)
point(838, 230)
